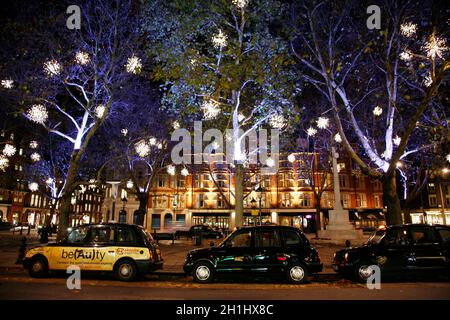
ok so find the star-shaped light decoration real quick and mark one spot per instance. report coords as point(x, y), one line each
point(142, 148)
point(35, 157)
point(152, 141)
point(210, 109)
point(49, 181)
point(435, 46)
point(171, 170)
point(219, 40)
point(277, 121)
point(184, 172)
point(406, 55)
point(408, 29)
point(337, 138)
point(52, 68)
point(82, 58)
point(9, 150)
point(323, 123)
point(240, 3)
point(100, 111)
point(33, 144)
point(134, 65)
point(397, 140)
point(428, 80)
point(7, 83)
point(33, 186)
point(124, 132)
point(130, 184)
point(377, 111)
point(176, 125)
point(311, 131)
point(37, 113)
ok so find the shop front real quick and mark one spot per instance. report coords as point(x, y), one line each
point(304, 221)
point(252, 218)
point(367, 219)
point(430, 217)
point(220, 220)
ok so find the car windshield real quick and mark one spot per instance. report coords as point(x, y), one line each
point(376, 237)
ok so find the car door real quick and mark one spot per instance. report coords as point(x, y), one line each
point(268, 253)
point(427, 249)
point(394, 253)
point(235, 255)
point(99, 252)
point(66, 253)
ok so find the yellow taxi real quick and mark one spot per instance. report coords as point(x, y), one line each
point(126, 250)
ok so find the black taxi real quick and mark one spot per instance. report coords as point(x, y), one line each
point(123, 249)
point(254, 251)
point(406, 250)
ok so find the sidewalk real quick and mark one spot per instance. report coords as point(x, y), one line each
point(173, 254)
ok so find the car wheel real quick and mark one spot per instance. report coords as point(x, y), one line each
point(362, 271)
point(125, 270)
point(203, 272)
point(38, 267)
point(297, 273)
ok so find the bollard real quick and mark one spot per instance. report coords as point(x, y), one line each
point(22, 250)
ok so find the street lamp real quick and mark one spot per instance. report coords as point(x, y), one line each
point(260, 191)
point(253, 204)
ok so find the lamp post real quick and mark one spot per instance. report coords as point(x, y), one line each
point(253, 204)
point(124, 202)
point(260, 191)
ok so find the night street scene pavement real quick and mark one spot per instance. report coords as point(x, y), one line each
point(250, 155)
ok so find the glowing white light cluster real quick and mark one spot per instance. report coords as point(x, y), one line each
point(35, 157)
point(408, 29)
point(37, 113)
point(220, 40)
point(142, 148)
point(337, 138)
point(270, 162)
point(9, 150)
point(33, 186)
point(130, 184)
point(49, 181)
point(377, 111)
point(176, 125)
point(82, 58)
point(7, 84)
point(240, 3)
point(397, 140)
point(100, 111)
point(134, 65)
point(124, 132)
point(184, 172)
point(311, 131)
point(33, 144)
point(323, 123)
point(383, 154)
point(171, 170)
point(4, 162)
point(406, 55)
point(435, 47)
point(277, 121)
point(152, 141)
point(291, 158)
point(241, 117)
point(210, 109)
point(159, 145)
point(52, 68)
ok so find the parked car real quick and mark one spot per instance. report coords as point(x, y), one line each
point(261, 250)
point(204, 230)
point(123, 249)
point(5, 226)
point(411, 249)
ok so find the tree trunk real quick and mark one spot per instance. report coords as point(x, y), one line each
point(407, 213)
point(317, 217)
point(391, 200)
point(239, 195)
point(142, 211)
